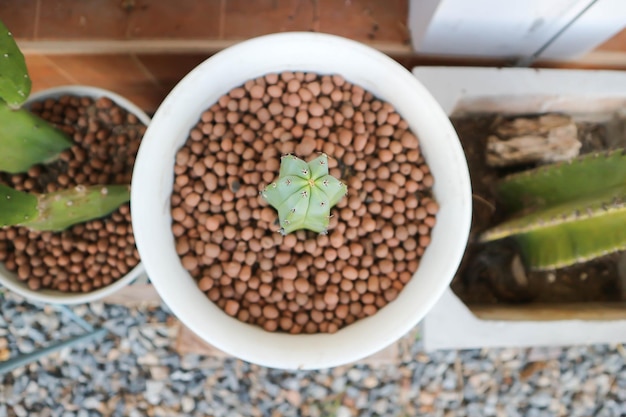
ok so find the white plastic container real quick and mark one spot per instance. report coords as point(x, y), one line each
point(9, 279)
point(153, 179)
point(586, 95)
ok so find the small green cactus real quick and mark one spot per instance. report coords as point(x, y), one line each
point(566, 213)
point(303, 194)
point(59, 210)
point(14, 80)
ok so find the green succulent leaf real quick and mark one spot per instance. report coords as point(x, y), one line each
point(556, 183)
point(16, 207)
point(15, 83)
point(26, 140)
point(567, 243)
point(59, 210)
point(595, 205)
point(567, 212)
point(304, 193)
point(62, 209)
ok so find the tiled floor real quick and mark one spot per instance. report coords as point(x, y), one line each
point(142, 48)
point(616, 44)
point(208, 19)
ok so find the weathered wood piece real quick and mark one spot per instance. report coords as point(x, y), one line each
point(537, 139)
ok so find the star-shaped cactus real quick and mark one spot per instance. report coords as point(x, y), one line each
point(304, 193)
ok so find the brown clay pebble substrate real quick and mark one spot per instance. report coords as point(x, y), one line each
point(94, 254)
point(227, 236)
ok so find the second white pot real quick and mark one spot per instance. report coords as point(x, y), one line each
point(325, 54)
point(9, 279)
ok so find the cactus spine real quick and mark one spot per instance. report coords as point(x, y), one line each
point(59, 210)
point(566, 213)
point(303, 194)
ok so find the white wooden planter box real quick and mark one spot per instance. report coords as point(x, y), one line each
point(585, 94)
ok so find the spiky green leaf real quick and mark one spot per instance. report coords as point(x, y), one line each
point(567, 243)
point(557, 183)
point(570, 232)
point(26, 140)
point(15, 83)
point(594, 205)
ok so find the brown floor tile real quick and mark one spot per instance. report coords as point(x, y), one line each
point(366, 20)
point(93, 19)
point(119, 73)
point(44, 73)
point(169, 69)
point(19, 17)
point(167, 19)
point(617, 43)
point(145, 96)
point(245, 19)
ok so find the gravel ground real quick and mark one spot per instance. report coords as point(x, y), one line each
point(135, 371)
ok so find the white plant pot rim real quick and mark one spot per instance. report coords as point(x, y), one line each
point(153, 179)
point(9, 279)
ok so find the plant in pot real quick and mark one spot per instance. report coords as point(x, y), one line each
point(558, 219)
point(258, 285)
point(65, 234)
point(548, 234)
point(567, 213)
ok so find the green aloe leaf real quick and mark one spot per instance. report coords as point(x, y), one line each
point(570, 232)
point(567, 243)
point(15, 83)
point(595, 205)
point(26, 140)
point(557, 183)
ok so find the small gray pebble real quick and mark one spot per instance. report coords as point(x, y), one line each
point(541, 399)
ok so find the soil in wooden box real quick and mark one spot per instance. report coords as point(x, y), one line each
point(486, 275)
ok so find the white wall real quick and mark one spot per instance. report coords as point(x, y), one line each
point(512, 28)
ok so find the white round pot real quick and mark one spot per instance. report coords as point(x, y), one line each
point(153, 180)
point(9, 279)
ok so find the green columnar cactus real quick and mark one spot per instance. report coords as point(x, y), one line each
point(303, 194)
point(14, 80)
point(568, 212)
point(59, 210)
point(26, 140)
